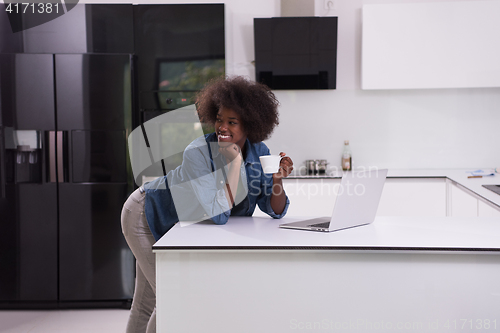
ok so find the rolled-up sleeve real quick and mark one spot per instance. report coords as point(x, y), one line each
point(264, 200)
point(269, 210)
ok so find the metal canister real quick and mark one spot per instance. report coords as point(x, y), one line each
point(311, 167)
point(322, 166)
point(316, 167)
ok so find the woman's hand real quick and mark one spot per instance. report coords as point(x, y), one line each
point(230, 152)
point(278, 196)
point(286, 167)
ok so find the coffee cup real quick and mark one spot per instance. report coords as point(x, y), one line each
point(270, 163)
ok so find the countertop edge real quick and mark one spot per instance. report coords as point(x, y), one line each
point(345, 249)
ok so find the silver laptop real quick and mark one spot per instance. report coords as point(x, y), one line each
point(356, 204)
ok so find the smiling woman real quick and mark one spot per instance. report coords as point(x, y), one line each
point(254, 103)
point(220, 176)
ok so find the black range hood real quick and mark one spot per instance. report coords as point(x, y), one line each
point(296, 52)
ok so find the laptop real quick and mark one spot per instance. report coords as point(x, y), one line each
point(356, 204)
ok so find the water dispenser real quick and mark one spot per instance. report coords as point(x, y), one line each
point(23, 156)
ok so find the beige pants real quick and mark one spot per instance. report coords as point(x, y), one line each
point(140, 240)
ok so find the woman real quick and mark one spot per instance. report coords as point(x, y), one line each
point(220, 176)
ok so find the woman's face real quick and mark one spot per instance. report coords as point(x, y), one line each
point(229, 128)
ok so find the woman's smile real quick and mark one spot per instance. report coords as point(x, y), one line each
point(224, 137)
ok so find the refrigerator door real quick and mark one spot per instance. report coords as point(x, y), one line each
point(28, 208)
point(94, 103)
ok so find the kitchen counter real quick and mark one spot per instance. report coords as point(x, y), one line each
point(400, 272)
point(457, 176)
point(396, 273)
point(387, 233)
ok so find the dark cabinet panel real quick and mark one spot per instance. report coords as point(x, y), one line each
point(82, 28)
point(9, 42)
point(34, 91)
point(29, 243)
point(38, 242)
point(9, 246)
point(110, 28)
point(92, 250)
point(173, 44)
point(27, 91)
point(93, 91)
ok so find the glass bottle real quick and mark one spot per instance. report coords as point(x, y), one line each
point(347, 157)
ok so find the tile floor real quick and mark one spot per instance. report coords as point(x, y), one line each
point(63, 321)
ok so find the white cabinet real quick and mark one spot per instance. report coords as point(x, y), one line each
point(400, 197)
point(486, 209)
point(413, 197)
point(423, 197)
point(464, 203)
point(461, 202)
point(438, 44)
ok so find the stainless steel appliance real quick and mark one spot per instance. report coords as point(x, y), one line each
point(494, 188)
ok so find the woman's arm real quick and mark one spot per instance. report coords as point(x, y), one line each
point(278, 196)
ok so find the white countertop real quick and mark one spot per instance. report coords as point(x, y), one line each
point(448, 234)
point(458, 176)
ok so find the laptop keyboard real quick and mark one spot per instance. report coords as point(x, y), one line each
point(320, 225)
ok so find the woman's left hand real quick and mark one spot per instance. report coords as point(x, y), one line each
point(286, 167)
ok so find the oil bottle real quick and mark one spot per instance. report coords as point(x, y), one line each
point(347, 157)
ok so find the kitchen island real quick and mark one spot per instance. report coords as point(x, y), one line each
point(398, 273)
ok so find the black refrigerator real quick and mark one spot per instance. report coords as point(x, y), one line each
point(64, 176)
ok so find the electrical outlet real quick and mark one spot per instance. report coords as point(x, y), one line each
point(329, 4)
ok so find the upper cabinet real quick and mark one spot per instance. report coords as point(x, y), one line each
point(431, 45)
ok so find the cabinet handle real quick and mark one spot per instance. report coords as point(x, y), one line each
point(60, 159)
point(52, 157)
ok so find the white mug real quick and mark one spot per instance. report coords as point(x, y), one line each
point(270, 163)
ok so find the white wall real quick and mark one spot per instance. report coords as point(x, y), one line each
point(410, 129)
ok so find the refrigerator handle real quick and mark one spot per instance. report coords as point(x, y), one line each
point(52, 157)
point(3, 177)
point(60, 157)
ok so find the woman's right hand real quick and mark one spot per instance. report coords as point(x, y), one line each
point(230, 152)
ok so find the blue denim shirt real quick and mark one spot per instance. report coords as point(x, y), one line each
point(195, 191)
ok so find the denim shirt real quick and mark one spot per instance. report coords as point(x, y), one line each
point(195, 191)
